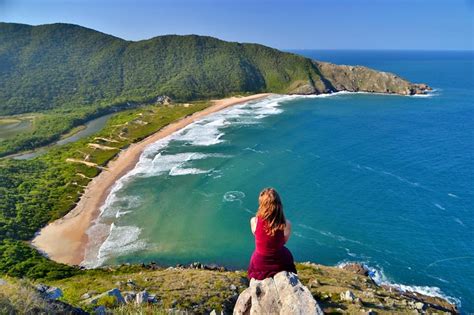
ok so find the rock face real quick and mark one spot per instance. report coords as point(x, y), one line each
point(356, 268)
point(50, 293)
point(283, 294)
point(163, 100)
point(362, 79)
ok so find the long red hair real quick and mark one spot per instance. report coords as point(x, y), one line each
point(270, 209)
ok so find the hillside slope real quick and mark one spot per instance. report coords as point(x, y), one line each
point(200, 289)
point(64, 66)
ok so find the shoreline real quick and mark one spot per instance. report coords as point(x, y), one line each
point(65, 240)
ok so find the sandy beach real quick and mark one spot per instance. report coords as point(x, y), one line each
point(65, 239)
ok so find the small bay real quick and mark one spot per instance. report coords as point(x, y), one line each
point(381, 179)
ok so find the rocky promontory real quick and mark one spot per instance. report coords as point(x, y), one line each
point(363, 79)
point(337, 78)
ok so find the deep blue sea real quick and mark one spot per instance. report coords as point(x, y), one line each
point(380, 179)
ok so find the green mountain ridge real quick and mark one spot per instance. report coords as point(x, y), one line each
point(63, 65)
point(71, 74)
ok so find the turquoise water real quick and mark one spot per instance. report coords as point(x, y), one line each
point(384, 180)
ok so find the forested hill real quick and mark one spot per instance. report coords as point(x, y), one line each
point(63, 66)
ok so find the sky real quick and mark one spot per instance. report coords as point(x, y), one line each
point(283, 24)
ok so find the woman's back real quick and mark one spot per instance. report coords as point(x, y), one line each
point(266, 244)
point(271, 230)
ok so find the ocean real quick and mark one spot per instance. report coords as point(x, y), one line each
point(380, 179)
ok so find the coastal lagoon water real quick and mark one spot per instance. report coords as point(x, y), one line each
point(90, 128)
point(380, 179)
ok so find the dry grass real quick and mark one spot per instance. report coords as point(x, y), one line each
point(20, 297)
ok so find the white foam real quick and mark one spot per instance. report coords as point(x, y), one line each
point(249, 211)
point(254, 150)
point(333, 94)
point(437, 205)
point(121, 240)
point(431, 93)
point(457, 220)
point(121, 213)
point(298, 234)
point(378, 276)
point(232, 196)
point(177, 171)
point(171, 164)
point(348, 252)
point(97, 233)
point(331, 235)
point(453, 195)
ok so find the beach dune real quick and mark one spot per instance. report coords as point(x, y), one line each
point(65, 239)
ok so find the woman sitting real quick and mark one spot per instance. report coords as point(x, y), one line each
point(271, 231)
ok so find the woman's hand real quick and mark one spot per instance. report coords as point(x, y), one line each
point(287, 230)
point(253, 224)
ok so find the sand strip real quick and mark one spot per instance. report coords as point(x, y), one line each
point(65, 239)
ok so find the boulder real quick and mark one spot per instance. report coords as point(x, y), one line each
point(419, 306)
point(114, 293)
point(53, 293)
point(129, 297)
point(85, 296)
point(41, 287)
point(49, 293)
point(282, 294)
point(142, 297)
point(152, 299)
point(58, 307)
point(163, 100)
point(356, 268)
point(348, 296)
point(100, 310)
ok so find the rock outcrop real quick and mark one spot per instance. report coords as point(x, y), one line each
point(356, 268)
point(163, 100)
point(283, 294)
point(202, 289)
point(49, 293)
point(363, 79)
point(114, 294)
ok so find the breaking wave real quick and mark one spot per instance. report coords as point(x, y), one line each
point(379, 277)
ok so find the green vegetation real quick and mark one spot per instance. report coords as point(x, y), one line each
point(68, 66)
point(190, 289)
point(201, 291)
point(19, 297)
point(35, 192)
point(73, 74)
point(48, 126)
point(10, 126)
point(17, 259)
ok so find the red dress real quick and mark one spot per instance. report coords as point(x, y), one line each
point(270, 255)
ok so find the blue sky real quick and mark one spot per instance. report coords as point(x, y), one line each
point(290, 24)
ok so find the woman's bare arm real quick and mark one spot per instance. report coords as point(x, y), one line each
point(253, 224)
point(287, 231)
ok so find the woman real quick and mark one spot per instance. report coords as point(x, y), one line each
point(271, 231)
